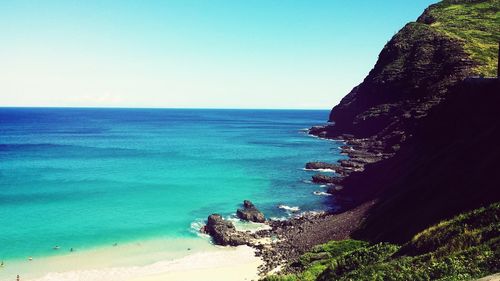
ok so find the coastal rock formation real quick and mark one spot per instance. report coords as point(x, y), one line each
point(296, 235)
point(321, 166)
point(411, 131)
point(407, 125)
point(250, 213)
point(430, 178)
point(413, 74)
point(337, 168)
point(224, 233)
point(324, 179)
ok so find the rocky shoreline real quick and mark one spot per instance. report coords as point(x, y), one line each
point(282, 243)
point(396, 112)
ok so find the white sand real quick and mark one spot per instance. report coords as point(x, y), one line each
point(146, 261)
point(222, 264)
point(231, 265)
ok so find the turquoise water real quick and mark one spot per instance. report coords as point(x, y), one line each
point(83, 178)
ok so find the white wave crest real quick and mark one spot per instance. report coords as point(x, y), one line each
point(320, 170)
point(288, 208)
point(321, 193)
point(196, 227)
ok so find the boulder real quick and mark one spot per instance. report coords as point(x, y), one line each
point(324, 179)
point(224, 233)
point(321, 165)
point(351, 163)
point(250, 213)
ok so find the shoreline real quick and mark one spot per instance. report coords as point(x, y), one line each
point(222, 265)
point(215, 264)
point(179, 259)
point(151, 258)
point(274, 245)
point(288, 239)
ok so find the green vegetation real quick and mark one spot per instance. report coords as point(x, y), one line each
point(320, 257)
point(476, 23)
point(462, 248)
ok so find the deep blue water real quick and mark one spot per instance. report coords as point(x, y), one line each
point(89, 177)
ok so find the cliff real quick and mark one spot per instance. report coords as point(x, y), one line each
point(450, 41)
point(450, 165)
point(435, 127)
point(421, 133)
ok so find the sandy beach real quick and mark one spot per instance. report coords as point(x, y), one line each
point(216, 264)
point(232, 264)
point(158, 259)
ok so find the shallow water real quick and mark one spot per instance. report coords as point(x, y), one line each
point(85, 178)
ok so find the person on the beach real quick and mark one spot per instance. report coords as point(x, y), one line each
point(17, 279)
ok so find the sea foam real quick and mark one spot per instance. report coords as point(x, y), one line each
point(288, 208)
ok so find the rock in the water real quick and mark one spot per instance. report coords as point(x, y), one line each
point(337, 168)
point(324, 179)
point(250, 213)
point(349, 163)
point(321, 165)
point(224, 233)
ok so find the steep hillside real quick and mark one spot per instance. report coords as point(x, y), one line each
point(449, 42)
point(434, 130)
point(476, 24)
point(421, 133)
point(449, 166)
point(465, 247)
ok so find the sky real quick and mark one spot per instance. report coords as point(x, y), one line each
point(303, 54)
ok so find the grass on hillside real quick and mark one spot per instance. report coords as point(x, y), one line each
point(462, 248)
point(477, 24)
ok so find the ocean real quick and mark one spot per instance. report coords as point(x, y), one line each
point(81, 178)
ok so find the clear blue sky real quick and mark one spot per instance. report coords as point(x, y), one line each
point(192, 53)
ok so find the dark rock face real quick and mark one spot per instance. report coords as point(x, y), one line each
point(324, 179)
point(406, 127)
point(250, 213)
point(407, 130)
point(414, 72)
point(224, 233)
point(414, 69)
point(334, 189)
point(321, 165)
point(431, 178)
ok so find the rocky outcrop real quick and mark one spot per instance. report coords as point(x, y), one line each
point(407, 126)
point(321, 166)
point(421, 145)
point(324, 179)
point(433, 176)
point(224, 233)
point(250, 213)
point(292, 237)
point(413, 74)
